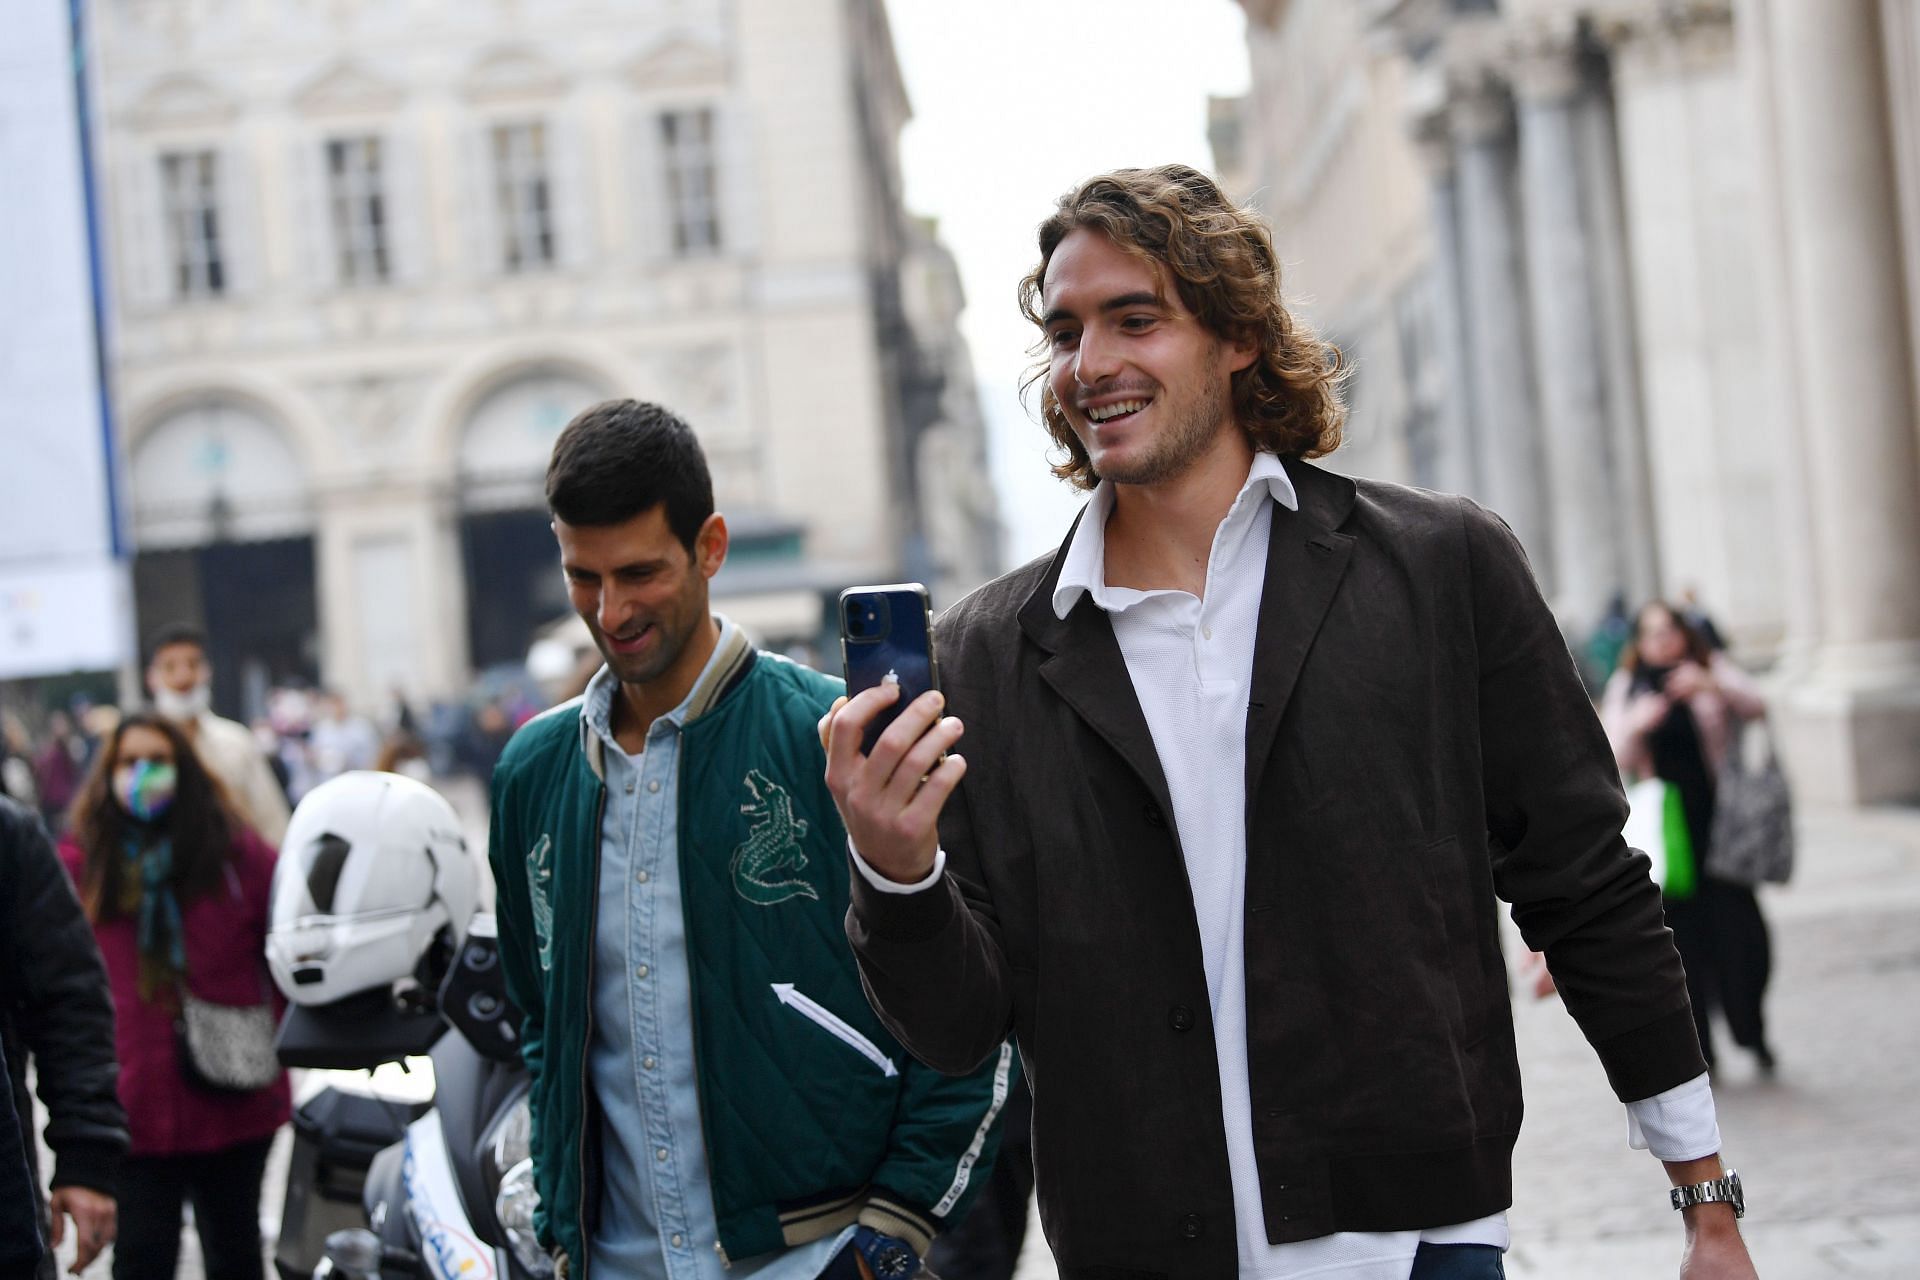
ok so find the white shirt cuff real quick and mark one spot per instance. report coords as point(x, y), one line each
point(885, 885)
point(1676, 1125)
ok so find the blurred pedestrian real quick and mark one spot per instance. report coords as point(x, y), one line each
point(1673, 711)
point(340, 740)
point(177, 888)
point(404, 753)
point(58, 766)
point(16, 761)
point(1697, 617)
point(180, 679)
point(55, 1011)
point(1606, 643)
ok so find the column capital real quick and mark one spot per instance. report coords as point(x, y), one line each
point(1431, 132)
point(1666, 35)
point(1546, 60)
point(1479, 105)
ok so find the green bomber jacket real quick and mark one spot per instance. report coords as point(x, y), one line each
point(807, 1127)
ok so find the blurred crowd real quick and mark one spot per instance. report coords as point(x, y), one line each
point(304, 736)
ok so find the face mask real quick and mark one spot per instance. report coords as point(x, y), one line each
point(181, 707)
point(145, 789)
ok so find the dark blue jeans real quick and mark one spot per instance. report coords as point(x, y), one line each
point(1457, 1262)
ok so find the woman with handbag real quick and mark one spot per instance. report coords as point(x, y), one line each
point(1673, 711)
point(177, 888)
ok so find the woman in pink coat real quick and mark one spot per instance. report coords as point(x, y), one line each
point(1672, 711)
point(177, 888)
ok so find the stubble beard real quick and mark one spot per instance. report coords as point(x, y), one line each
point(671, 642)
point(1183, 442)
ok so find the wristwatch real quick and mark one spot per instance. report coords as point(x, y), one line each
point(888, 1257)
point(1725, 1190)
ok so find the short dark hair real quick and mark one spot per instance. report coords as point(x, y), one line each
point(621, 459)
point(175, 633)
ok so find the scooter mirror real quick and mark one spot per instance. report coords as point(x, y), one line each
point(354, 1252)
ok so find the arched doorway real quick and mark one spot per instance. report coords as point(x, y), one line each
point(223, 530)
point(513, 579)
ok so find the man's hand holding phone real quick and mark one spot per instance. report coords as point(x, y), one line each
point(890, 799)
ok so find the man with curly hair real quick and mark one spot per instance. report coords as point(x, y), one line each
point(1248, 760)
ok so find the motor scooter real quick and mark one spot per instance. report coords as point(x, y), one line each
point(444, 1190)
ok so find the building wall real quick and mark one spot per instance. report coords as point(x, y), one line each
point(1675, 247)
point(769, 344)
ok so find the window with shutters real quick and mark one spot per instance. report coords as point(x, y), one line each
point(693, 179)
point(357, 202)
point(190, 194)
point(524, 192)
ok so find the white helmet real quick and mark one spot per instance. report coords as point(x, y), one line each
point(373, 868)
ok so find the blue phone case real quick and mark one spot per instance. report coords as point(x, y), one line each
point(887, 631)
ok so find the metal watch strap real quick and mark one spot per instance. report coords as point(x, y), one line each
point(1725, 1189)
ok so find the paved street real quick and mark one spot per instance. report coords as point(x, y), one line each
point(1830, 1151)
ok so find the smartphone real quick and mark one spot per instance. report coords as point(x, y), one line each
point(887, 632)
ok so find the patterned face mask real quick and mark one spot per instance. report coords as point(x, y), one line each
point(144, 788)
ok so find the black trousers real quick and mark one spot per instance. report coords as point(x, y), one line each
point(224, 1188)
point(1722, 940)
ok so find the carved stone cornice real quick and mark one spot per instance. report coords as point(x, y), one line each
point(1479, 105)
point(181, 102)
point(347, 88)
point(678, 63)
point(513, 74)
point(1546, 60)
point(1653, 36)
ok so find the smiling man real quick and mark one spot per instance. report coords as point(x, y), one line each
point(1247, 761)
point(712, 1096)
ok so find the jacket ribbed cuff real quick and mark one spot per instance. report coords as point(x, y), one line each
point(96, 1168)
point(1654, 1058)
point(892, 1216)
point(903, 917)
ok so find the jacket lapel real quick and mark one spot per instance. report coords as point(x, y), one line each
point(1306, 559)
point(1085, 667)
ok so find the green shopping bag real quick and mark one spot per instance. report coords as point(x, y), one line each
point(1657, 826)
point(1683, 870)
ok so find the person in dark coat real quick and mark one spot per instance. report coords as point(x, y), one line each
point(55, 1009)
point(21, 1247)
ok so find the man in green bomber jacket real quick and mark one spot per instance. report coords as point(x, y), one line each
point(712, 1094)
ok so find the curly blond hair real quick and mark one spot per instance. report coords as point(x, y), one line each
point(1221, 259)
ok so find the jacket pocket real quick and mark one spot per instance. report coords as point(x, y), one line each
point(803, 1005)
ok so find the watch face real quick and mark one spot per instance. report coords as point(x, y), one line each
point(893, 1262)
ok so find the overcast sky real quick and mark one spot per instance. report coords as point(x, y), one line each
point(1014, 101)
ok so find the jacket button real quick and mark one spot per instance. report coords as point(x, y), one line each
point(1180, 1018)
point(1191, 1225)
point(1155, 816)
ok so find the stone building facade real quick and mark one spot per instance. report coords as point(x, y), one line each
point(1643, 276)
point(368, 258)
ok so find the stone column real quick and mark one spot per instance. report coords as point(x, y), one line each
point(1499, 353)
point(1599, 146)
point(1459, 451)
point(1860, 708)
point(1565, 310)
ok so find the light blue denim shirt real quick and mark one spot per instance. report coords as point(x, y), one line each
point(656, 1206)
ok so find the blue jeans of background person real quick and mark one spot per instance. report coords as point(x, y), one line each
point(224, 1187)
point(1457, 1262)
